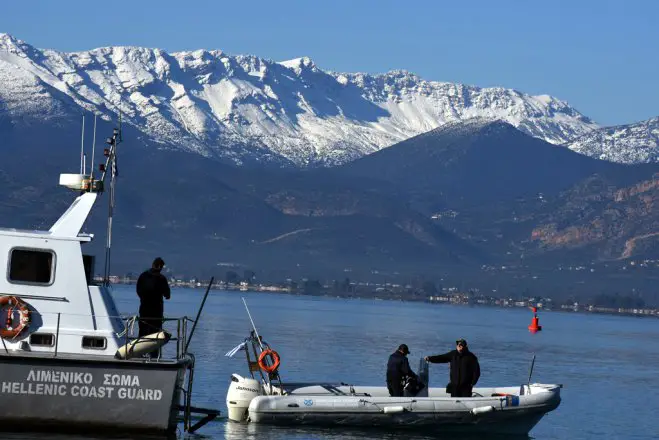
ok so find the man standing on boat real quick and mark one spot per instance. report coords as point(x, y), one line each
point(152, 287)
point(398, 370)
point(465, 369)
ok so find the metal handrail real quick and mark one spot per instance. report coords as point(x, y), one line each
point(180, 331)
point(57, 334)
point(45, 298)
point(34, 312)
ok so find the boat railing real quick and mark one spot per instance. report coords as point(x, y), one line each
point(124, 327)
point(176, 328)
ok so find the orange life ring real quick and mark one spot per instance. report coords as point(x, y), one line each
point(7, 330)
point(274, 360)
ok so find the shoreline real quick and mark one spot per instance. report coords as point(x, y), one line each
point(453, 300)
point(492, 306)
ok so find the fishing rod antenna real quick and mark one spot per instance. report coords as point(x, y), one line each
point(258, 338)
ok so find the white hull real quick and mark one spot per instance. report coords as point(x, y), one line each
point(356, 406)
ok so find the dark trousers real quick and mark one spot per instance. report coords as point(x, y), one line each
point(150, 325)
point(395, 388)
point(462, 391)
point(151, 319)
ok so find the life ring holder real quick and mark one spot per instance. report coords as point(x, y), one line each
point(14, 303)
point(275, 360)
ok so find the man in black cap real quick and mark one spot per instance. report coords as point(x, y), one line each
point(465, 369)
point(152, 287)
point(398, 371)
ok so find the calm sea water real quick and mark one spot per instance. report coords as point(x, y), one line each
point(609, 365)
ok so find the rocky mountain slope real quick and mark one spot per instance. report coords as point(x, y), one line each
point(633, 143)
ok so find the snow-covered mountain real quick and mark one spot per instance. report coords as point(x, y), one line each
point(633, 143)
point(247, 108)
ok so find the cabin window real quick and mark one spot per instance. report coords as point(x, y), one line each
point(31, 266)
point(42, 339)
point(89, 261)
point(94, 342)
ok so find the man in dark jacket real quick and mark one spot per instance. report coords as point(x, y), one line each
point(398, 370)
point(152, 287)
point(465, 369)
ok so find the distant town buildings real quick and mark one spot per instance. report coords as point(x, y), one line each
point(405, 292)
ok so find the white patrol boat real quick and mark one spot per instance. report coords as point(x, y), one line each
point(67, 358)
point(265, 398)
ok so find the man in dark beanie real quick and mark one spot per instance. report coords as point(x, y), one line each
point(465, 369)
point(152, 287)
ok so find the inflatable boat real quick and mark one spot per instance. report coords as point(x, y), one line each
point(267, 399)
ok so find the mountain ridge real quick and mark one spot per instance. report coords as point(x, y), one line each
point(242, 108)
point(478, 161)
point(628, 143)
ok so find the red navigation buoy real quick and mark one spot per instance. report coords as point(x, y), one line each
point(535, 327)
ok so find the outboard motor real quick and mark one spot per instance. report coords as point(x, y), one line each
point(412, 387)
point(424, 376)
point(241, 392)
point(417, 386)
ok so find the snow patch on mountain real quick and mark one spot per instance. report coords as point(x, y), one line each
point(630, 144)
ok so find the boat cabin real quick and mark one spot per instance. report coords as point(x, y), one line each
point(48, 271)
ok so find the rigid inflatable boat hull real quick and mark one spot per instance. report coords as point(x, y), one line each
point(512, 414)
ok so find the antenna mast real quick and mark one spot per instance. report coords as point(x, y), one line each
point(111, 165)
point(91, 168)
point(253, 325)
point(82, 146)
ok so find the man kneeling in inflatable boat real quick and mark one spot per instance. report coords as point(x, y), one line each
point(401, 380)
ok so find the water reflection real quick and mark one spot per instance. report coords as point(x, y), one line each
point(45, 435)
point(239, 431)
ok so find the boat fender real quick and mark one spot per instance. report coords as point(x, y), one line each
point(142, 345)
point(393, 409)
point(482, 410)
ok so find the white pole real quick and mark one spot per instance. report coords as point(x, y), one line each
point(91, 166)
point(253, 326)
point(82, 144)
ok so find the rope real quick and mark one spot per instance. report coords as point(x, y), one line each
point(130, 324)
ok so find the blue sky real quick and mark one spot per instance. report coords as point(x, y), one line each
point(600, 56)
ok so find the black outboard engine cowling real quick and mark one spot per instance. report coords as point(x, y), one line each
point(418, 386)
point(412, 387)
